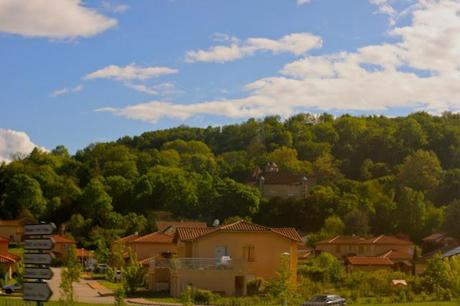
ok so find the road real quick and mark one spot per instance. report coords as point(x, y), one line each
point(82, 292)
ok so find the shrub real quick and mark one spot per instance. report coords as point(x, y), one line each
point(255, 287)
point(204, 297)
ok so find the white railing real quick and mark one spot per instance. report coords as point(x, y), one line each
point(197, 264)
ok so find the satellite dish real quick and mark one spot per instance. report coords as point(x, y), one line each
point(216, 223)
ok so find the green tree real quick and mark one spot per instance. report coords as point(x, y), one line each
point(281, 288)
point(451, 224)
point(421, 171)
point(69, 275)
point(133, 274)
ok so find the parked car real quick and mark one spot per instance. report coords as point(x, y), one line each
point(9, 289)
point(326, 300)
point(102, 267)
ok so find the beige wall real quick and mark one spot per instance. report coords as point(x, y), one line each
point(351, 268)
point(146, 250)
point(60, 248)
point(342, 250)
point(11, 231)
point(268, 249)
point(284, 191)
point(221, 281)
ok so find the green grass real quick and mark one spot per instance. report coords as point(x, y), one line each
point(109, 285)
point(413, 303)
point(16, 251)
point(14, 301)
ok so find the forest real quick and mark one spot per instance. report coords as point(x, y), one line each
point(374, 175)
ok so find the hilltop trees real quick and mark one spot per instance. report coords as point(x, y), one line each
point(376, 174)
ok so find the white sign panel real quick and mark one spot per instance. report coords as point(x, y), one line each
point(37, 259)
point(38, 273)
point(39, 229)
point(39, 244)
point(37, 292)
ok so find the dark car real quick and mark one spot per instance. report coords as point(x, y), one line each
point(323, 300)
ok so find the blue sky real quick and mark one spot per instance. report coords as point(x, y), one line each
point(75, 72)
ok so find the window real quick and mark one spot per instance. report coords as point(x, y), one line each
point(249, 253)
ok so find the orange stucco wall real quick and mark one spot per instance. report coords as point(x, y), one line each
point(268, 249)
point(13, 233)
point(4, 247)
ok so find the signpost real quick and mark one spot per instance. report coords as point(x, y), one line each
point(37, 260)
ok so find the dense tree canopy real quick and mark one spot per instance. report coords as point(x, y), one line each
point(373, 175)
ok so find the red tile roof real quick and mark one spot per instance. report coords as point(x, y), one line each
point(163, 225)
point(83, 253)
point(11, 223)
point(434, 237)
point(383, 239)
point(369, 261)
point(9, 258)
point(127, 239)
point(397, 255)
point(62, 239)
point(185, 234)
point(156, 237)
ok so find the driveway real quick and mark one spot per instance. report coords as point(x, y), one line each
point(82, 292)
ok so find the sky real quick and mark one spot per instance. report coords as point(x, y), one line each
point(76, 72)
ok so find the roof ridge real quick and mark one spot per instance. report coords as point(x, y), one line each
point(377, 238)
point(333, 239)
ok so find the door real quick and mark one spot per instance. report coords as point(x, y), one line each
point(239, 285)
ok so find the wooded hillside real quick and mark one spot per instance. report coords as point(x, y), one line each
point(374, 175)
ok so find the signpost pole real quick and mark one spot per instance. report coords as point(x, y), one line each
point(37, 260)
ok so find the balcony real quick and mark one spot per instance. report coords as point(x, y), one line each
point(176, 264)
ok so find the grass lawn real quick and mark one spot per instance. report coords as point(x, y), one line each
point(413, 303)
point(16, 251)
point(109, 285)
point(11, 301)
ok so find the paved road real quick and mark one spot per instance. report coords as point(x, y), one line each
point(83, 292)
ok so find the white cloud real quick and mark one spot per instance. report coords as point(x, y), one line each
point(296, 43)
point(384, 7)
point(14, 143)
point(302, 2)
point(57, 19)
point(114, 8)
point(419, 72)
point(66, 90)
point(129, 73)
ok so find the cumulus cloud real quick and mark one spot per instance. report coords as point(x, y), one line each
point(420, 71)
point(66, 90)
point(13, 143)
point(129, 73)
point(56, 19)
point(296, 43)
point(114, 8)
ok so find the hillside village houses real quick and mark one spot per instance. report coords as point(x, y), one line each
point(273, 182)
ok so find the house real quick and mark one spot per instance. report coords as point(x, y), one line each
point(437, 241)
point(225, 258)
point(367, 263)
point(399, 251)
point(159, 243)
point(13, 230)
point(273, 183)
point(445, 252)
point(7, 260)
point(61, 245)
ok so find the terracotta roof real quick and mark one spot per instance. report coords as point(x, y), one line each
point(83, 253)
point(435, 237)
point(9, 258)
point(146, 261)
point(369, 261)
point(62, 239)
point(282, 177)
point(163, 225)
point(397, 255)
point(11, 223)
point(156, 237)
point(383, 239)
point(127, 239)
point(185, 234)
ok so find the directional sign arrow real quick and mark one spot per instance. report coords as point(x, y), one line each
point(37, 292)
point(37, 259)
point(40, 229)
point(38, 273)
point(39, 244)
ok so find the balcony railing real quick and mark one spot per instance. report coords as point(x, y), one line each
point(198, 264)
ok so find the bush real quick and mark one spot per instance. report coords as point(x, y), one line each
point(204, 297)
point(255, 287)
